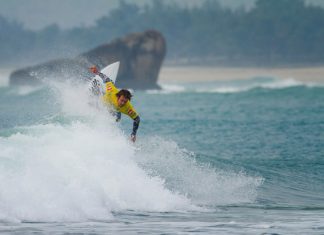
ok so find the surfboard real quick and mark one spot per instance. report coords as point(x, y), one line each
point(96, 84)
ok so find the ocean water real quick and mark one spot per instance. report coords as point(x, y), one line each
point(236, 157)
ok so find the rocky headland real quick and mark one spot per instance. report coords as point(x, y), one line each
point(140, 54)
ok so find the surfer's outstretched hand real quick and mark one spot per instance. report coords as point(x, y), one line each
point(94, 69)
point(133, 138)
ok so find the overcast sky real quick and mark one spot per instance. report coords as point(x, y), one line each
point(37, 14)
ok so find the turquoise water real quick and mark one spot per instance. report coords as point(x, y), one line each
point(238, 157)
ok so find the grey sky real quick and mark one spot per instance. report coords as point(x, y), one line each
point(37, 14)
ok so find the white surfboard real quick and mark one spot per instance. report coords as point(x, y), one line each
point(111, 71)
point(96, 84)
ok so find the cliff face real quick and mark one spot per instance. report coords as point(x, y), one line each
point(140, 55)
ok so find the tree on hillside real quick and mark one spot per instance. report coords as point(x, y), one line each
point(280, 31)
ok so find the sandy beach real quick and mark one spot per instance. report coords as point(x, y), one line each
point(198, 73)
point(192, 74)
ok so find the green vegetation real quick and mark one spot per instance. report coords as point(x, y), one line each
point(272, 33)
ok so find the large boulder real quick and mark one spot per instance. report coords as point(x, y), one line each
point(140, 55)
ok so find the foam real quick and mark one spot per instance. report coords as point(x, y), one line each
point(203, 184)
point(76, 172)
point(87, 168)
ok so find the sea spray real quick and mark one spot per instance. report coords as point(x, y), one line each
point(78, 170)
point(203, 184)
point(86, 168)
point(58, 161)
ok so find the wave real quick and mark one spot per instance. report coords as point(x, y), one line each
point(233, 86)
point(81, 171)
point(74, 173)
point(167, 89)
point(26, 90)
point(203, 184)
point(87, 169)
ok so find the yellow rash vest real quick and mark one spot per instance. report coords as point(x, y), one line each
point(110, 98)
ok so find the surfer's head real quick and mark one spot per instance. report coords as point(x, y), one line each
point(123, 96)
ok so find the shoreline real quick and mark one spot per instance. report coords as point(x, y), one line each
point(208, 74)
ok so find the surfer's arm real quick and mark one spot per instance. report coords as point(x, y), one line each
point(104, 77)
point(131, 112)
point(136, 123)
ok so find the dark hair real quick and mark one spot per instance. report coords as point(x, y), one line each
point(125, 93)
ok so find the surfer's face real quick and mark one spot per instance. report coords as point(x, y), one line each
point(122, 101)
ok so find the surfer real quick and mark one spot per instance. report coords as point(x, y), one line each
point(119, 100)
